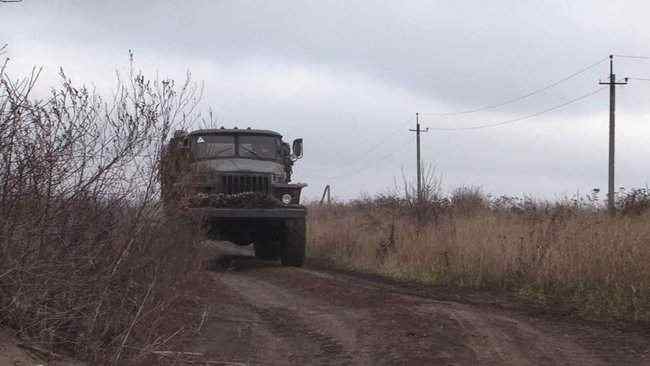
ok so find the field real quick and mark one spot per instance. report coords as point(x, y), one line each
point(570, 254)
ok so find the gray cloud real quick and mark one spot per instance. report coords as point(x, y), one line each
point(348, 75)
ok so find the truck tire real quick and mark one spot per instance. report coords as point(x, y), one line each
point(265, 250)
point(293, 246)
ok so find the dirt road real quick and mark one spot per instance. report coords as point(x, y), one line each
point(266, 314)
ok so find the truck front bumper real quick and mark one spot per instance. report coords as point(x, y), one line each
point(249, 213)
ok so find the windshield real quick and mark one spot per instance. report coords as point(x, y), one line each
point(259, 147)
point(223, 146)
point(213, 146)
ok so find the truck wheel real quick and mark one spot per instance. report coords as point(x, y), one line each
point(265, 250)
point(293, 246)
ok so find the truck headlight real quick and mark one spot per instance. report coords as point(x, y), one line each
point(286, 198)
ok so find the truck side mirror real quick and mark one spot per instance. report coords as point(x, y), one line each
point(297, 148)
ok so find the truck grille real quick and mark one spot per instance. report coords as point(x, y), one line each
point(232, 184)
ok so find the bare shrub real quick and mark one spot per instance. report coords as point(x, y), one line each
point(89, 261)
point(429, 205)
point(468, 200)
point(635, 202)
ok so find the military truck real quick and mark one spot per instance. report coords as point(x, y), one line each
point(237, 183)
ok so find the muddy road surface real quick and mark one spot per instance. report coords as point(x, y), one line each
point(264, 314)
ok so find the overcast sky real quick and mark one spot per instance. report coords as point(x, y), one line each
point(349, 76)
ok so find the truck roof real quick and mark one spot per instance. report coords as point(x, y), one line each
point(228, 131)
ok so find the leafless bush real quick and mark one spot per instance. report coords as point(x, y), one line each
point(468, 200)
point(429, 205)
point(88, 260)
point(635, 202)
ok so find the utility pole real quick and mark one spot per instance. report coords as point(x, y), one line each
point(611, 207)
point(417, 138)
point(326, 193)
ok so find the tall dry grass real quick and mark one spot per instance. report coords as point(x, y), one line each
point(89, 262)
point(569, 253)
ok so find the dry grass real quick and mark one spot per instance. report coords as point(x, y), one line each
point(568, 253)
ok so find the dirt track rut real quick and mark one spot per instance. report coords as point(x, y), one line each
point(269, 315)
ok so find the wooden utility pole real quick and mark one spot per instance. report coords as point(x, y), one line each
point(419, 168)
point(326, 192)
point(611, 199)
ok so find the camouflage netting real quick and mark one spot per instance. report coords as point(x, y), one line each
point(238, 200)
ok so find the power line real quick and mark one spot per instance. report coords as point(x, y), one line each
point(385, 138)
point(378, 144)
point(513, 100)
point(640, 79)
point(381, 141)
point(362, 157)
point(635, 57)
point(366, 167)
point(402, 145)
point(514, 120)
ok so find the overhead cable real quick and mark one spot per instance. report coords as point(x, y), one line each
point(636, 57)
point(513, 100)
point(514, 120)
